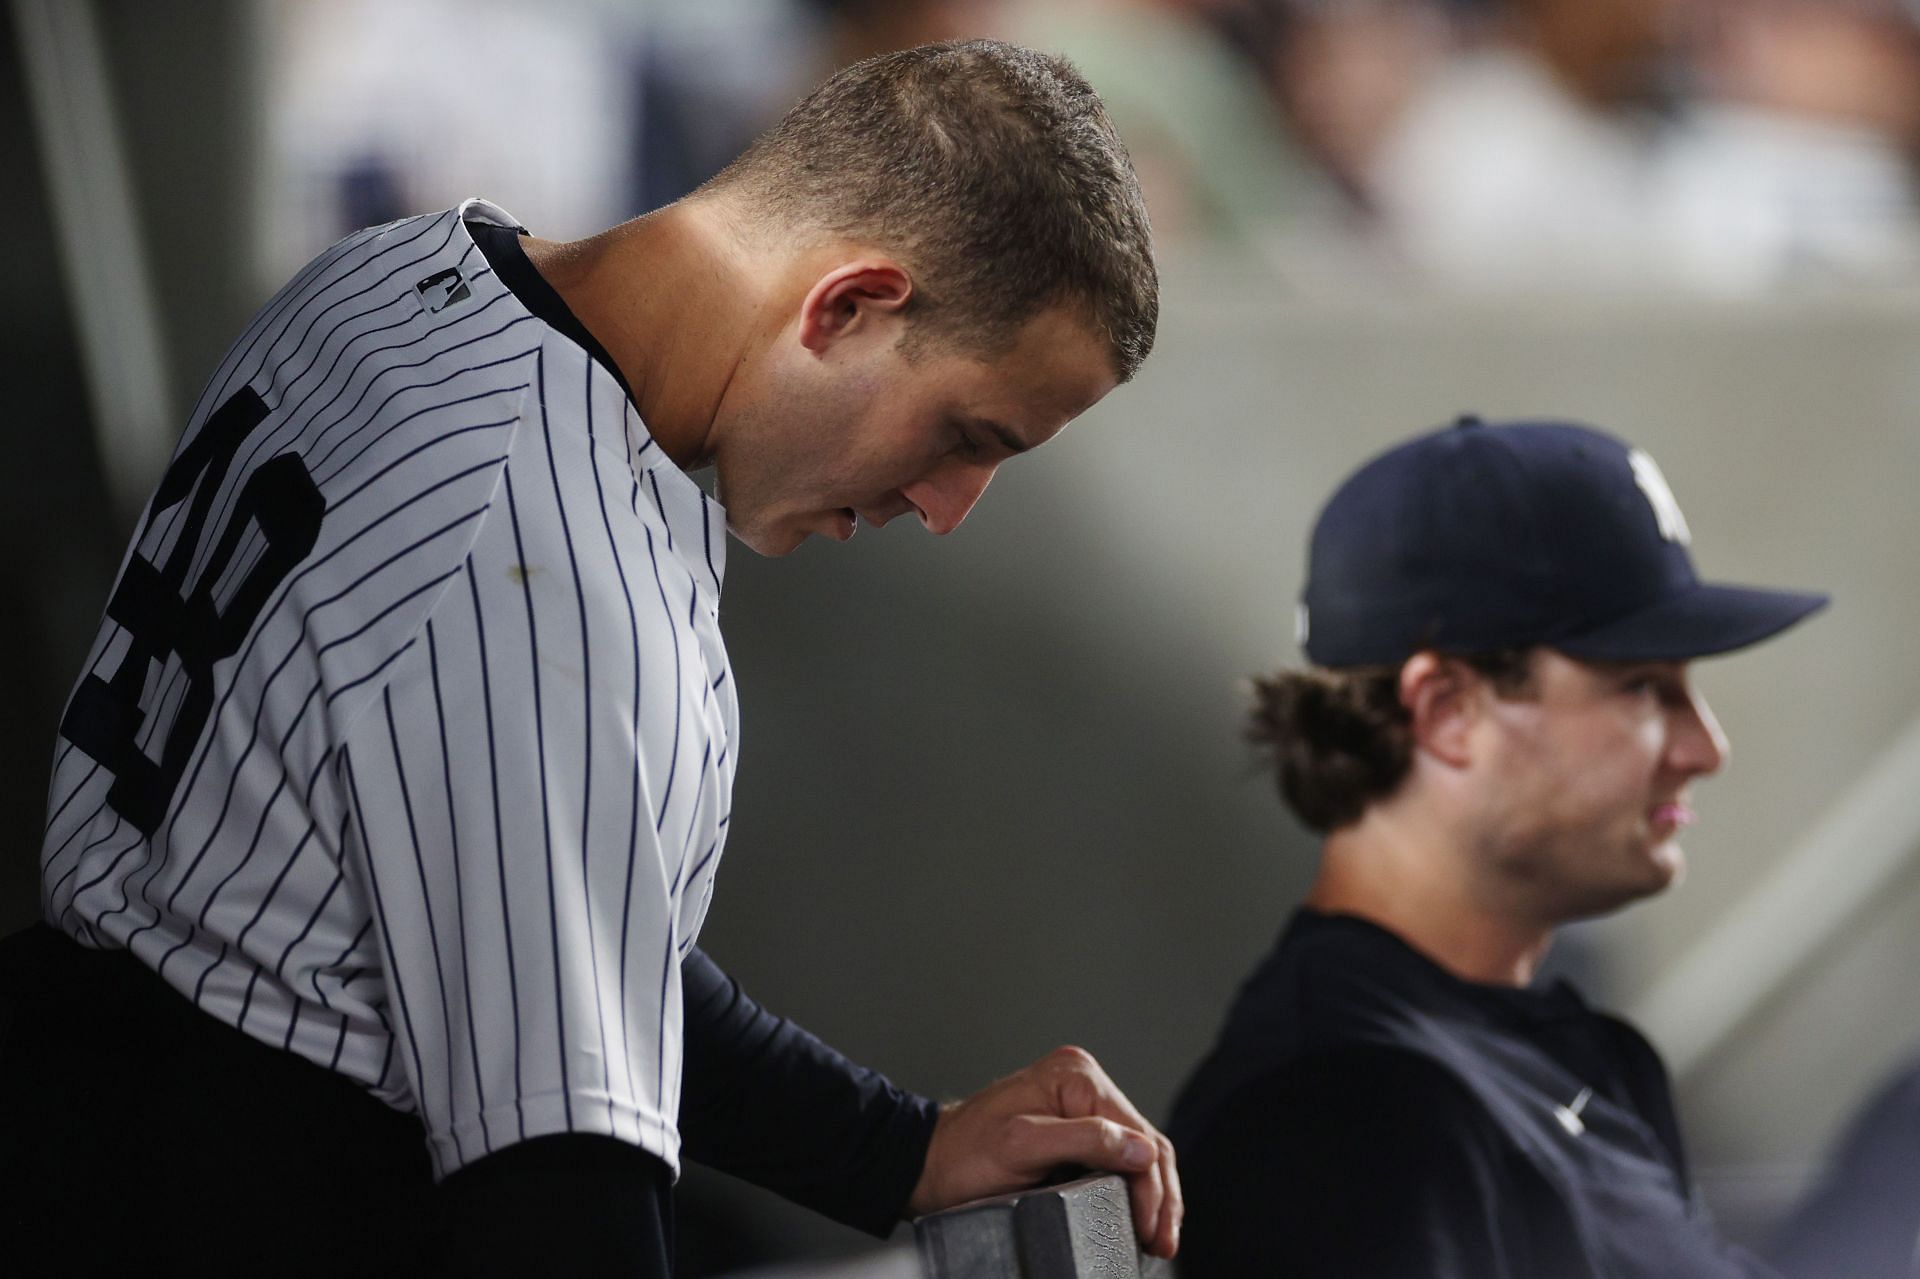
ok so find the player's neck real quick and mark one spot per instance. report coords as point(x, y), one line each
point(1403, 877)
point(672, 299)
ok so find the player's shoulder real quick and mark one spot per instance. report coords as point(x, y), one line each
point(1331, 981)
point(398, 349)
point(1332, 990)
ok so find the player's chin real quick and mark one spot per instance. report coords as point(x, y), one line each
point(1658, 866)
point(775, 538)
point(771, 539)
point(1647, 870)
point(1668, 863)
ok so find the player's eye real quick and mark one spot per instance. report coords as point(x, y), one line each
point(1643, 683)
point(1655, 685)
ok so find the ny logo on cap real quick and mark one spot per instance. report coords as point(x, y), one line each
point(1666, 511)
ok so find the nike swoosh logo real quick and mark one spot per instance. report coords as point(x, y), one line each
point(1569, 1114)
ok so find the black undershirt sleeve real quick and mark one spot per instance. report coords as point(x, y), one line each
point(1362, 1164)
point(761, 1099)
point(771, 1104)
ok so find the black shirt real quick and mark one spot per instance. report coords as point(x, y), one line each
point(1366, 1113)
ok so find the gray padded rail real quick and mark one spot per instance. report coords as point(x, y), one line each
point(1077, 1230)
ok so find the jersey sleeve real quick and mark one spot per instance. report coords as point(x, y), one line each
point(537, 800)
point(1359, 1162)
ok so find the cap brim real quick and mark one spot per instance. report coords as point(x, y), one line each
point(1699, 623)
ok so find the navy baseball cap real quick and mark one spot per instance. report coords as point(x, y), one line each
point(1480, 537)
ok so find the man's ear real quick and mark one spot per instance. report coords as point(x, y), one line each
point(852, 295)
point(1444, 698)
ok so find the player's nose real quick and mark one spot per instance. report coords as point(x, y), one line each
point(944, 497)
point(1696, 745)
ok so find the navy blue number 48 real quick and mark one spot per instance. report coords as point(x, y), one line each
point(161, 617)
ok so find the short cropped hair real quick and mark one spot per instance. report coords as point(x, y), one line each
point(995, 174)
point(1342, 739)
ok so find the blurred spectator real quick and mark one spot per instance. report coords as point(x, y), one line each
point(1554, 148)
point(1728, 146)
point(711, 78)
point(571, 113)
point(1182, 80)
point(378, 110)
point(1345, 71)
point(857, 29)
point(1796, 166)
point(708, 78)
point(1523, 158)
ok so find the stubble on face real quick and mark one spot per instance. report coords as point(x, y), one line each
point(776, 453)
point(1573, 825)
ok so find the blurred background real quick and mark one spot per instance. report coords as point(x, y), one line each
point(994, 796)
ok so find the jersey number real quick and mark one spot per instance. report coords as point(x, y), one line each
point(160, 618)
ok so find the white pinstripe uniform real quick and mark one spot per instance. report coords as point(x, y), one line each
point(429, 789)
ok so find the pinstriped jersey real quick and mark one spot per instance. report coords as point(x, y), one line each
point(406, 741)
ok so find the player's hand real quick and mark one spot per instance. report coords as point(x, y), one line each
point(1061, 1110)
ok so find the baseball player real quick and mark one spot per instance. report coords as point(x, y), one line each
point(387, 809)
point(1498, 735)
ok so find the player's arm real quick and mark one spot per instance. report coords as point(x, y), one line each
point(770, 1103)
point(1363, 1162)
point(532, 797)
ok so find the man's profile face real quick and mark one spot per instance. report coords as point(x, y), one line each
point(861, 433)
point(1585, 782)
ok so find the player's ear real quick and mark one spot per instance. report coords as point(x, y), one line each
point(852, 296)
point(1443, 698)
